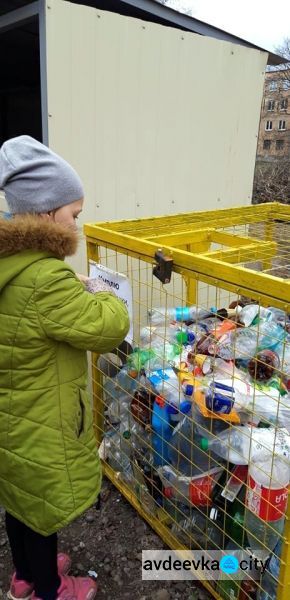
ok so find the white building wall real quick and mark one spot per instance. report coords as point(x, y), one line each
point(155, 120)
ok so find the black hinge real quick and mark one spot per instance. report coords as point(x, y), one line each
point(163, 269)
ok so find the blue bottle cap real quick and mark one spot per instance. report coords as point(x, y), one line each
point(185, 407)
point(190, 337)
point(188, 389)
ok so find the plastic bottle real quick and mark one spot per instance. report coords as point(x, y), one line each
point(165, 382)
point(200, 529)
point(270, 578)
point(235, 519)
point(260, 402)
point(172, 333)
point(138, 359)
point(118, 452)
point(232, 445)
point(158, 316)
point(118, 393)
point(219, 397)
point(162, 431)
point(245, 343)
point(213, 364)
point(184, 450)
point(229, 588)
point(190, 530)
point(141, 440)
point(141, 406)
point(267, 494)
point(189, 490)
point(207, 427)
point(262, 366)
point(279, 316)
point(250, 312)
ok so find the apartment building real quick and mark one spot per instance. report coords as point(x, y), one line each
point(274, 131)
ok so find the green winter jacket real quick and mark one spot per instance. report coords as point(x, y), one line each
point(49, 466)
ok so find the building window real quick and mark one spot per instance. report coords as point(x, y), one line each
point(283, 104)
point(286, 84)
point(282, 125)
point(273, 85)
point(267, 144)
point(271, 105)
point(279, 144)
point(268, 126)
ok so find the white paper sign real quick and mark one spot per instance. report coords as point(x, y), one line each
point(120, 284)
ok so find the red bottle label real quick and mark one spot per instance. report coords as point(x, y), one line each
point(200, 490)
point(268, 504)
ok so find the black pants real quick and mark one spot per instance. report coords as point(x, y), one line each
point(34, 557)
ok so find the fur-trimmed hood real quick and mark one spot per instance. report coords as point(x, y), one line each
point(34, 233)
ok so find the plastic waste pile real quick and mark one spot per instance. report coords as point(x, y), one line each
point(198, 425)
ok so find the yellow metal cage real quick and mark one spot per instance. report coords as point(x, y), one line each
point(231, 269)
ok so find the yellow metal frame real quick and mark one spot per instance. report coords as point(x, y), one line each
point(187, 238)
point(196, 231)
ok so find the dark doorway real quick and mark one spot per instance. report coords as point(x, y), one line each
point(20, 92)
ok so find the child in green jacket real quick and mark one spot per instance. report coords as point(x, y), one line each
point(49, 466)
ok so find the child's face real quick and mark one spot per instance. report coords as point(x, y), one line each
point(67, 215)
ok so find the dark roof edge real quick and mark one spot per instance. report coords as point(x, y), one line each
point(189, 23)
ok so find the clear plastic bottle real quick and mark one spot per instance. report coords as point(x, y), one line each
point(249, 313)
point(158, 316)
point(184, 450)
point(267, 494)
point(270, 578)
point(200, 529)
point(245, 343)
point(175, 334)
point(232, 445)
point(118, 393)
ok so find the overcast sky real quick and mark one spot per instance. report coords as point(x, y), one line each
point(263, 22)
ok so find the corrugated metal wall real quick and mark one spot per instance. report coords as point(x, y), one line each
point(155, 120)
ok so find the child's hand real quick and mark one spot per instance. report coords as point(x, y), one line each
point(83, 278)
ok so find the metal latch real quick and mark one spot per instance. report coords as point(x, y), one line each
point(163, 269)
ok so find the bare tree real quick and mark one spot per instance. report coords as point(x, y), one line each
point(271, 181)
point(284, 69)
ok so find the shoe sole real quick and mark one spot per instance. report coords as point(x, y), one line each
point(11, 597)
point(92, 593)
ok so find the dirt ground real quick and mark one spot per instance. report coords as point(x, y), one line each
point(110, 542)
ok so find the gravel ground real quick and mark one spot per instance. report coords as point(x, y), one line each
point(110, 542)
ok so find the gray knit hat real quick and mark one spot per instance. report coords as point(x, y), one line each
point(35, 179)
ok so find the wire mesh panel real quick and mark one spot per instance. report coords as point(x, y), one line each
point(193, 414)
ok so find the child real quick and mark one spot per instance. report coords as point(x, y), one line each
point(49, 466)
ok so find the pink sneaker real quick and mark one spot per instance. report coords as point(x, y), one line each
point(74, 588)
point(19, 589)
point(22, 590)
